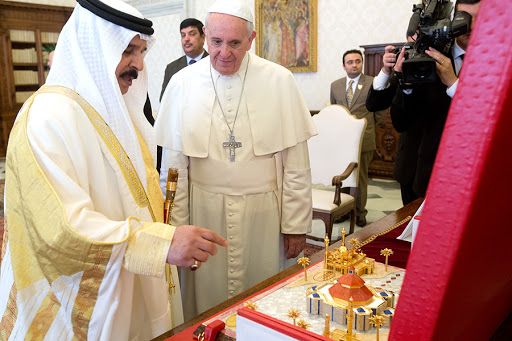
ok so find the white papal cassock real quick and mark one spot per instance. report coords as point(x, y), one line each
point(251, 202)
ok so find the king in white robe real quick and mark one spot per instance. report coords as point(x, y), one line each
point(86, 246)
point(253, 201)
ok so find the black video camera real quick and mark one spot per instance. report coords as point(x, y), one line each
point(431, 22)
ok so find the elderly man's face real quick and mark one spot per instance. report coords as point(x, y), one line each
point(228, 41)
point(131, 63)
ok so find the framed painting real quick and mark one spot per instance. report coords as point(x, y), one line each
point(286, 33)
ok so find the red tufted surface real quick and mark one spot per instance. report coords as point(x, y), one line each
point(458, 284)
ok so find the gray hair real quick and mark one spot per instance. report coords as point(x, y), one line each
point(250, 25)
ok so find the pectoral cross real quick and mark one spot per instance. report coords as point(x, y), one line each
point(232, 144)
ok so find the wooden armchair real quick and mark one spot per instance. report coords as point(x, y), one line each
point(334, 155)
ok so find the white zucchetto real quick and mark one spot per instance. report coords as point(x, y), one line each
point(237, 8)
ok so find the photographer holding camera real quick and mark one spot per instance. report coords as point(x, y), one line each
point(419, 99)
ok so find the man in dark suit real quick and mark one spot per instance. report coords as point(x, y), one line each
point(419, 111)
point(192, 41)
point(351, 92)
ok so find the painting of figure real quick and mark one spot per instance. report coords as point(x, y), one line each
point(301, 40)
point(286, 33)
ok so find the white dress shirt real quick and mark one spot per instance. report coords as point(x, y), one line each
point(457, 52)
point(354, 85)
point(198, 58)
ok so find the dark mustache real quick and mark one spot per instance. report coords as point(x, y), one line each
point(132, 73)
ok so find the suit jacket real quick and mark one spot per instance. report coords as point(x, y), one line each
point(419, 118)
point(174, 67)
point(358, 107)
point(148, 111)
point(382, 99)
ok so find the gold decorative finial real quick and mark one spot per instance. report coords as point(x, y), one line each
point(293, 314)
point(353, 242)
point(251, 305)
point(386, 253)
point(303, 324)
point(326, 240)
point(378, 321)
point(304, 261)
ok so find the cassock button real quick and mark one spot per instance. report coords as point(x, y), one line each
point(230, 226)
point(232, 282)
point(229, 86)
point(231, 270)
point(231, 214)
point(232, 260)
point(230, 237)
point(230, 203)
point(231, 292)
point(229, 98)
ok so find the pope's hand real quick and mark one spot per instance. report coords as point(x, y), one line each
point(294, 244)
point(192, 245)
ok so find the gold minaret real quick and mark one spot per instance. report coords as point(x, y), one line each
point(350, 318)
point(327, 329)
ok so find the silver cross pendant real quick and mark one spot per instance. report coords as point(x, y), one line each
point(232, 144)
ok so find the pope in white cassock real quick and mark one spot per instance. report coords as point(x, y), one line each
point(85, 246)
point(236, 126)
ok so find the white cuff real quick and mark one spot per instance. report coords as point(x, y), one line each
point(380, 82)
point(451, 90)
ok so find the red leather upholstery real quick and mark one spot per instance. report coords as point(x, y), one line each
point(458, 284)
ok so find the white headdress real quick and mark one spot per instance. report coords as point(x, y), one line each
point(88, 52)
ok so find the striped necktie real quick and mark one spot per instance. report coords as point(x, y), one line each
point(350, 93)
point(192, 61)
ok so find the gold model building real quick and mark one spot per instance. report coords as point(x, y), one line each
point(348, 295)
point(341, 259)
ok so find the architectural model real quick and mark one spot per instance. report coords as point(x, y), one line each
point(348, 300)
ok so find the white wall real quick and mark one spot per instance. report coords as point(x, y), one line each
point(342, 25)
point(166, 49)
point(168, 42)
point(65, 3)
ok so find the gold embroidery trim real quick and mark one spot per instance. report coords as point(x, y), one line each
point(373, 237)
point(147, 249)
point(108, 136)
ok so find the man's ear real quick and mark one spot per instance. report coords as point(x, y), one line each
point(251, 38)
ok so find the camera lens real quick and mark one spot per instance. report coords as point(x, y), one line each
point(419, 69)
